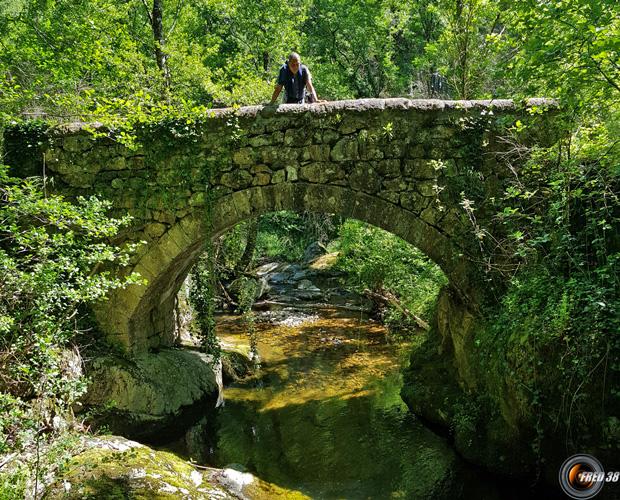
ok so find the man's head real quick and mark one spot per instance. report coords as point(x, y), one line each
point(294, 61)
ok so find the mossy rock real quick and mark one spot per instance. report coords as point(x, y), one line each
point(113, 467)
point(151, 396)
point(236, 365)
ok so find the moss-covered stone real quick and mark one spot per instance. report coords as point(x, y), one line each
point(477, 388)
point(110, 467)
point(150, 395)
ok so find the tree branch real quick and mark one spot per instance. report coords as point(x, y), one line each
point(148, 12)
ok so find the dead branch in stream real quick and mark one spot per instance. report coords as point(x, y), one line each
point(386, 297)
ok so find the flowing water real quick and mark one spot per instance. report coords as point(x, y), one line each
point(324, 418)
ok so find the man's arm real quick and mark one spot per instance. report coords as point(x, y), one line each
point(276, 93)
point(310, 88)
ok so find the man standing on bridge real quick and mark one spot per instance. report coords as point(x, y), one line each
point(295, 78)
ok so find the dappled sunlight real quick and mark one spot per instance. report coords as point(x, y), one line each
point(323, 415)
point(336, 356)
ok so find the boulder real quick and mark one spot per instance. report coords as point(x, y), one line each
point(115, 467)
point(148, 397)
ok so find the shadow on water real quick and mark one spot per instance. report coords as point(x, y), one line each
point(324, 417)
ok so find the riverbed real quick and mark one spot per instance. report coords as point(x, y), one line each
point(322, 416)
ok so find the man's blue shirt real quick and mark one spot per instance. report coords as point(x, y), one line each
point(294, 85)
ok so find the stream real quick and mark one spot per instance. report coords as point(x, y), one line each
point(322, 417)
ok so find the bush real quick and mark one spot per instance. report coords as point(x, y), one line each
point(53, 259)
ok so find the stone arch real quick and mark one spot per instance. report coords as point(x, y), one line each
point(141, 317)
point(408, 166)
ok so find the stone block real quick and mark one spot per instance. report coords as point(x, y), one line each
point(261, 179)
point(277, 138)
point(284, 197)
point(395, 149)
point(370, 151)
point(345, 149)
point(237, 179)
point(318, 152)
point(198, 199)
point(77, 143)
point(154, 230)
point(243, 157)
point(442, 132)
point(261, 140)
point(167, 217)
point(136, 184)
point(421, 169)
point(352, 123)
point(428, 188)
point(415, 151)
point(260, 169)
point(291, 173)
point(116, 163)
point(324, 199)
point(391, 196)
point(414, 202)
point(329, 136)
point(278, 176)
point(297, 137)
point(224, 214)
point(364, 178)
point(275, 154)
point(321, 172)
point(395, 185)
point(243, 207)
point(387, 168)
point(137, 162)
point(189, 230)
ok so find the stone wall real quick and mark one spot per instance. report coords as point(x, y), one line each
point(403, 165)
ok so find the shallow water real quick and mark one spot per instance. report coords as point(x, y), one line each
point(324, 415)
point(323, 418)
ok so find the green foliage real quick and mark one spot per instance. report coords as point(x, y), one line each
point(282, 236)
point(555, 244)
point(561, 221)
point(467, 46)
point(568, 49)
point(54, 259)
point(375, 259)
point(26, 472)
point(571, 325)
point(285, 235)
point(202, 298)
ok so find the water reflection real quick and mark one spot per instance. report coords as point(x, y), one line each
point(324, 415)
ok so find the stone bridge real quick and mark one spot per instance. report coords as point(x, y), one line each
point(403, 165)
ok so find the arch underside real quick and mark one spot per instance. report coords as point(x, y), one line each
point(142, 317)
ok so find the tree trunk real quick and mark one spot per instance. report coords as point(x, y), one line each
point(265, 61)
point(250, 245)
point(158, 35)
point(387, 297)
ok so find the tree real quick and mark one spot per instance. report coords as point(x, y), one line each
point(155, 16)
point(466, 48)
